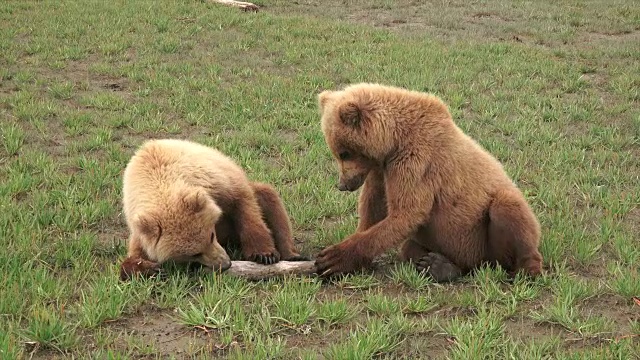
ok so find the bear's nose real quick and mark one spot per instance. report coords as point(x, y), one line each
point(342, 187)
point(225, 266)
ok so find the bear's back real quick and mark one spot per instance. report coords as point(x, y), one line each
point(162, 167)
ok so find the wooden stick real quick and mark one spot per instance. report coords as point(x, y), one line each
point(245, 6)
point(254, 271)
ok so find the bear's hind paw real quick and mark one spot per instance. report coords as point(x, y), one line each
point(438, 267)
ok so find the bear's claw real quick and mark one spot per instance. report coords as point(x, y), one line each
point(438, 267)
point(265, 259)
point(338, 260)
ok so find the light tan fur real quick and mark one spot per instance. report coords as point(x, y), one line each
point(183, 200)
point(426, 184)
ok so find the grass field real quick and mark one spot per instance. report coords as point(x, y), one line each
point(551, 88)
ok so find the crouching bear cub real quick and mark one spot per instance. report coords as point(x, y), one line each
point(426, 184)
point(183, 201)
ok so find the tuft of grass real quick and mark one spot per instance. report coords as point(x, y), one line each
point(405, 273)
point(103, 101)
point(216, 316)
point(12, 138)
point(565, 312)
point(626, 280)
point(378, 338)
point(358, 281)
point(108, 300)
point(9, 348)
point(535, 349)
point(174, 291)
point(48, 328)
point(292, 309)
point(335, 312)
point(381, 304)
point(478, 337)
point(261, 348)
point(293, 301)
point(61, 91)
point(419, 304)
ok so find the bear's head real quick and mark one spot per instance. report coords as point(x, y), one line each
point(184, 231)
point(353, 130)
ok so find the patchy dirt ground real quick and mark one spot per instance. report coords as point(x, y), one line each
point(108, 86)
point(458, 20)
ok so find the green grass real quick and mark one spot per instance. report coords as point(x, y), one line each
point(550, 88)
point(378, 337)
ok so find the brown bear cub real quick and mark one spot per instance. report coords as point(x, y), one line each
point(183, 201)
point(427, 185)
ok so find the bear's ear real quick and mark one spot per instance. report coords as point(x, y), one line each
point(350, 114)
point(147, 225)
point(195, 201)
point(323, 97)
point(215, 210)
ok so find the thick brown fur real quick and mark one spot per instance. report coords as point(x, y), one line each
point(426, 185)
point(184, 201)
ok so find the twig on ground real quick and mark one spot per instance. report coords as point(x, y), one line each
point(625, 337)
point(255, 271)
point(245, 6)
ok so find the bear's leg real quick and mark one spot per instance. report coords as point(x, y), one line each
point(433, 264)
point(410, 201)
point(277, 219)
point(412, 251)
point(255, 238)
point(514, 234)
point(137, 262)
point(372, 204)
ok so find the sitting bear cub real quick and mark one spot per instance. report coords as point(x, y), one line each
point(425, 184)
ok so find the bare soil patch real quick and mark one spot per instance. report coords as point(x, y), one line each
point(158, 330)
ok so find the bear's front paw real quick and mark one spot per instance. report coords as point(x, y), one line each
point(138, 266)
point(438, 267)
point(264, 258)
point(335, 260)
point(531, 265)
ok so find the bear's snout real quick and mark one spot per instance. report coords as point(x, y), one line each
point(347, 187)
point(225, 266)
point(351, 184)
point(222, 266)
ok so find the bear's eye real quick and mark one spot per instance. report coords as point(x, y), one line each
point(345, 155)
